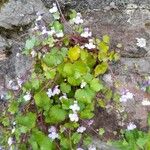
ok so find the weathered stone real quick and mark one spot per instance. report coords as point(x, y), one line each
point(102, 145)
point(20, 13)
point(140, 65)
point(3, 44)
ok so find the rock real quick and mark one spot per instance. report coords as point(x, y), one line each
point(20, 13)
point(142, 65)
point(3, 44)
point(102, 145)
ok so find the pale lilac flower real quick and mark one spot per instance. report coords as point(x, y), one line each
point(12, 85)
point(141, 42)
point(51, 32)
point(146, 102)
point(54, 9)
point(74, 117)
point(75, 107)
point(63, 97)
point(27, 97)
point(52, 129)
point(92, 147)
point(77, 19)
point(10, 141)
point(53, 135)
point(39, 18)
point(129, 95)
point(123, 98)
point(126, 96)
point(90, 122)
point(90, 45)
point(80, 148)
point(82, 46)
point(81, 129)
point(19, 81)
point(60, 34)
point(131, 126)
point(86, 33)
point(83, 84)
point(15, 87)
point(56, 90)
point(49, 93)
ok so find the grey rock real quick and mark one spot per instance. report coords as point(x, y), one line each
point(3, 44)
point(20, 13)
point(102, 145)
point(142, 65)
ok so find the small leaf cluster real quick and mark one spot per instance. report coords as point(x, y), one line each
point(75, 71)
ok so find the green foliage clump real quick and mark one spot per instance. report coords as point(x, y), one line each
point(61, 91)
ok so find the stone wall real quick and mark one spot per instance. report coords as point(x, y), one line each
point(123, 20)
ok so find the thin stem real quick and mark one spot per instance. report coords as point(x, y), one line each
point(70, 140)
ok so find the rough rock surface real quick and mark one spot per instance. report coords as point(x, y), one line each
point(20, 12)
point(16, 18)
point(123, 20)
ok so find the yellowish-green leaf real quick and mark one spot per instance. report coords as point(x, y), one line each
point(106, 39)
point(100, 69)
point(74, 53)
point(103, 47)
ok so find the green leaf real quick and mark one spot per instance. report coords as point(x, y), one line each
point(101, 131)
point(141, 142)
point(71, 125)
point(86, 114)
point(64, 51)
point(65, 88)
point(73, 81)
point(116, 57)
point(28, 120)
point(13, 107)
point(80, 67)
point(49, 41)
point(103, 47)
point(84, 95)
point(5, 121)
point(30, 43)
point(65, 143)
point(55, 115)
point(74, 53)
point(66, 104)
point(148, 119)
point(52, 59)
point(95, 85)
point(100, 69)
point(57, 26)
point(42, 100)
point(87, 141)
point(68, 69)
point(72, 14)
point(106, 39)
point(102, 56)
point(39, 141)
point(76, 137)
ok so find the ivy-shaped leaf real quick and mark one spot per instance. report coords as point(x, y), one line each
point(100, 69)
point(74, 53)
point(42, 100)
